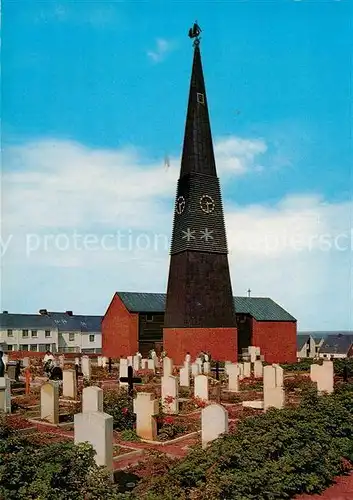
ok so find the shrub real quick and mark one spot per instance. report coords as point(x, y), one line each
point(119, 405)
point(301, 382)
point(129, 435)
point(272, 456)
point(60, 470)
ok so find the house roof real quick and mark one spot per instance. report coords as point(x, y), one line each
point(60, 320)
point(260, 308)
point(337, 344)
point(301, 340)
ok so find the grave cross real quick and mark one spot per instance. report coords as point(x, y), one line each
point(110, 365)
point(217, 370)
point(130, 379)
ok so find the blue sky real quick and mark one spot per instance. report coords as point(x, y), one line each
point(99, 90)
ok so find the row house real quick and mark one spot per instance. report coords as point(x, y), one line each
point(54, 331)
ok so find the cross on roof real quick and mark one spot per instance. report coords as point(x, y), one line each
point(249, 292)
point(130, 379)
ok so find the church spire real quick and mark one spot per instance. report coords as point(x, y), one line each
point(198, 156)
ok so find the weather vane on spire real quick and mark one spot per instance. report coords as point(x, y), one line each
point(194, 32)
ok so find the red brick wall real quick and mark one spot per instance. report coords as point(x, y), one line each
point(220, 342)
point(119, 330)
point(276, 339)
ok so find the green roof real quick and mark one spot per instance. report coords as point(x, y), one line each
point(260, 308)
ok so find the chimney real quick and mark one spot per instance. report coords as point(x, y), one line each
point(43, 312)
point(69, 313)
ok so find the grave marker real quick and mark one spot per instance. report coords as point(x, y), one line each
point(170, 394)
point(92, 399)
point(214, 422)
point(86, 367)
point(130, 379)
point(5, 394)
point(49, 402)
point(273, 387)
point(233, 377)
point(201, 387)
point(146, 407)
point(69, 384)
point(96, 428)
point(167, 366)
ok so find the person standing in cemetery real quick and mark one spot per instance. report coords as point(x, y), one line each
point(48, 362)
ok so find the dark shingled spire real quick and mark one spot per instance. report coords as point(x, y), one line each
point(199, 288)
point(198, 156)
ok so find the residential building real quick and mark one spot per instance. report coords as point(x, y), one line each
point(54, 331)
point(306, 347)
point(337, 346)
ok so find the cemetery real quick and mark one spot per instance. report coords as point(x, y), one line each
point(174, 419)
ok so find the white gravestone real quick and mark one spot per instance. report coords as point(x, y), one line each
point(136, 363)
point(201, 387)
point(123, 371)
point(77, 361)
point(92, 399)
point(273, 387)
point(69, 384)
point(96, 428)
point(258, 369)
point(104, 361)
point(5, 359)
point(99, 361)
point(86, 367)
point(206, 367)
point(151, 365)
point(247, 369)
point(324, 376)
point(188, 358)
point(199, 362)
point(25, 362)
point(195, 369)
point(5, 394)
point(130, 360)
point(214, 422)
point(49, 402)
point(184, 377)
point(170, 390)
point(167, 366)
point(144, 364)
point(241, 371)
point(233, 377)
point(146, 407)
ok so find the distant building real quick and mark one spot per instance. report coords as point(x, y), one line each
point(337, 346)
point(134, 321)
point(54, 331)
point(306, 347)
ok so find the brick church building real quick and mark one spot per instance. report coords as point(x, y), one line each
point(199, 311)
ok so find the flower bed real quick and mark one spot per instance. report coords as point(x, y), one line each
point(17, 422)
point(43, 438)
point(120, 450)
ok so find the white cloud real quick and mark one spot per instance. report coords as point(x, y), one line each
point(162, 48)
point(87, 215)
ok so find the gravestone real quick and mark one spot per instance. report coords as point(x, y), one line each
point(104, 362)
point(130, 360)
point(258, 369)
point(199, 362)
point(188, 358)
point(25, 362)
point(214, 422)
point(151, 365)
point(195, 369)
point(169, 390)
point(167, 366)
point(207, 367)
point(201, 387)
point(69, 384)
point(241, 371)
point(144, 364)
point(247, 369)
point(130, 379)
point(233, 377)
point(145, 408)
point(96, 428)
point(49, 402)
point(323, 375)
point(86, 367)
point(99, 361)
point(273, 387)
point(136, 363)
point(92, 399)
point(5, 394)
point(123, 366)
point(184, 377)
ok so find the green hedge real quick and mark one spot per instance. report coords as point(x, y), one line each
point(304, 365)
point(271, 456)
